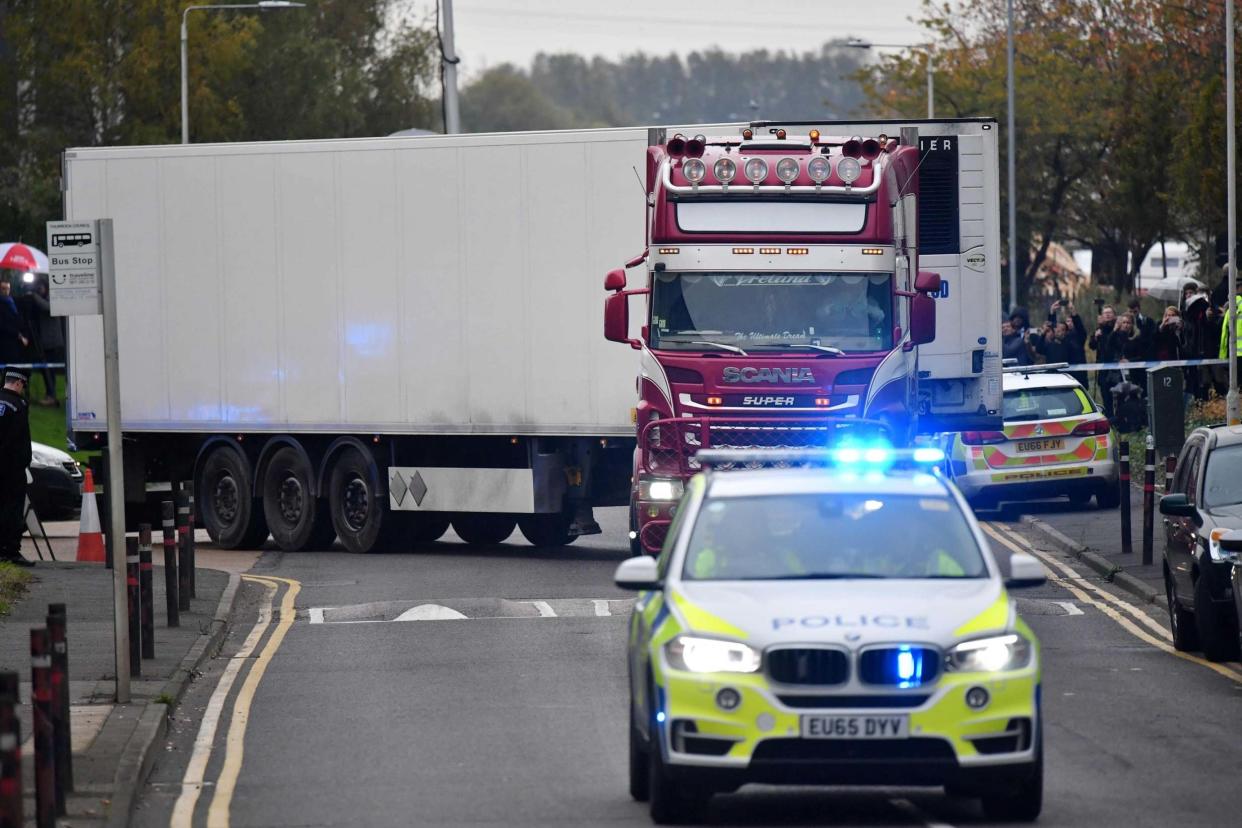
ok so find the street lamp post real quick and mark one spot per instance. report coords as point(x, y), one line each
point(1232, 413)
point(1013, 204)
point(859, 43)
point(262, 5)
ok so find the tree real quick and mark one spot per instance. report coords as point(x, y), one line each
point(505, 99)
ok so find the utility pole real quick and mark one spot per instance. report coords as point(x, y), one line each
point(1232, 413)
point(1013, 204)
point(449, 60)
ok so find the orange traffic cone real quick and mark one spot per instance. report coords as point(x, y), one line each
point(90, 536)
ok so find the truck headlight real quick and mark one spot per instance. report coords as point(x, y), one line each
point(990, 655)
point(660, 489)
point(710, 655)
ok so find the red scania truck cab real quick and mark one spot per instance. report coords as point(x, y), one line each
point(784, 294)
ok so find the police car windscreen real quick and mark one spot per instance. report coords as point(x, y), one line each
point(850, 311)
point(814, 536)
point(1044, 404)
point(1222, 483)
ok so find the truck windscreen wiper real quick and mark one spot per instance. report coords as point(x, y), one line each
point(730, 348)
point(827, 349)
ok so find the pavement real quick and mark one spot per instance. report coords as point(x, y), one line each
point(1093, 536)
point(113, 743)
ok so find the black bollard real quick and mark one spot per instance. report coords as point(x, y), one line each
point(146, 590)
point(57, 624)
point(11, 810)
point(168, 519)
point(41, 727)
point(184, 568)
point(1149, 501)
point(1123, 482)
point(135, 607)
point(193, 517)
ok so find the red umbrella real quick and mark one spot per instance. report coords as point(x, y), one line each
point(18, 256)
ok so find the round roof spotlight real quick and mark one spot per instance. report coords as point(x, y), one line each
point(756, 170)
point(849, 169)
point(694, 170)
point(870, 148)
point(819, 168)
point(725, 170)
point(747, 134)
point(677, 146)
point(814, 136)
point(852, 148)
point(780, 135)
point(787, 170)
point(695, 146)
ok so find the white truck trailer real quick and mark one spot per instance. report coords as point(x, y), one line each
point(369, 338)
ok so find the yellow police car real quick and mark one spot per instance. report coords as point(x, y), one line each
point(841, 623)
point(1054, 442)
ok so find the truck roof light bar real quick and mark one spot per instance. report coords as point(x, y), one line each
point(705, 189)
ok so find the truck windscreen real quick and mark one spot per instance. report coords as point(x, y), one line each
point(849, 311)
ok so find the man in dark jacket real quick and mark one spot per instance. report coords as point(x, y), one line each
point(14, 333)
point(1014, 345)
point(1101, 341)
point(14, 460)
point(1145, 328)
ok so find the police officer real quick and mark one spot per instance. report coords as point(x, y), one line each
point(1233, 317)
point(14, 460)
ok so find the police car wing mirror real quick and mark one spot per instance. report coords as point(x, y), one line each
point(1177, 505)
point(1025, 571)
point(927, 282)
point(922, 319)
point(638, 573)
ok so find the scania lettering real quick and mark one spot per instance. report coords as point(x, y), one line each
point(813, 257)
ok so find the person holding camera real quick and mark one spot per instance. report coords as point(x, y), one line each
point(1015, 346)
point(1102, 342)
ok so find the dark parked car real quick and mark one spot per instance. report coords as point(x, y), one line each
point(55, 489)
point(1203, 504)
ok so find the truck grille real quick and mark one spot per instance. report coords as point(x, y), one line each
point(807, 666)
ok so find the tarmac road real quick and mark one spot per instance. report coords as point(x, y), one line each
point(515, 714)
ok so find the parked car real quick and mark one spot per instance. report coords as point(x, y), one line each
point(55, 489)
point(1204, 503)
point(1055, 441)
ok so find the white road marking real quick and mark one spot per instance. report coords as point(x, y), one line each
point(545, 609)
point(1069, 606)
point(914, 812)
point(316, 615)
point(601, 607)
point(430, 612)
point(192, 782)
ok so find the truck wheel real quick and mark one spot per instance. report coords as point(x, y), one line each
point(296, 518)
point(1181, 622)
point(357, 504)
point(546, 530)
point(232, 517)
point(483, 529)
point(1218, 634)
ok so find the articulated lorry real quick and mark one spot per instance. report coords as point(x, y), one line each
point(366, 339)
point(798, 276)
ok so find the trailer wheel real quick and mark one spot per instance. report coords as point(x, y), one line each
point(356, 502)
point(547, 530)
point(233, 518)
point(483, 529)
point(297, 519)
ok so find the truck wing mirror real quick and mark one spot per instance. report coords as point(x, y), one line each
point(617, 318)
point(927, 282)
point(615, 280)
point(922, 319)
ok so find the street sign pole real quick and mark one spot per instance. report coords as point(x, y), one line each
point(1232, 408)
point(116, 472)
point(82, 282)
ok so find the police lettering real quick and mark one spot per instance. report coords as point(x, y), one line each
point(812, 622)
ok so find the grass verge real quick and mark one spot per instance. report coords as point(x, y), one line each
point(13, 580)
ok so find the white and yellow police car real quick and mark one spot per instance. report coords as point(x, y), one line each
point(838, 623)
point(1054, 441)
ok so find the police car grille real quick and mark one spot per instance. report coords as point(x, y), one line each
point(808, 666)
point(884, 666)
point(889, 702)
point(857, 750)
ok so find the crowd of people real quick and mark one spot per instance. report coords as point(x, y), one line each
point(29, 334)
point(1192, 329)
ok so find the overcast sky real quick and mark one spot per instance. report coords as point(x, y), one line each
point(490, 32)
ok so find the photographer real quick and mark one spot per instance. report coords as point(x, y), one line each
point(1102, 342)
point(1015, 346)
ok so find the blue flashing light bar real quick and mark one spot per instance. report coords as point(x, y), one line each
point(863, 457)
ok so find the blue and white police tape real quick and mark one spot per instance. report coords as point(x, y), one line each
point(1127, 366)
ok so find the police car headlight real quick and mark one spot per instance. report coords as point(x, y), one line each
point(658, 489)
point(43, 460)
point(710, 655)
point(990, 655)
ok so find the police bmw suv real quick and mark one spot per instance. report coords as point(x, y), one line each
point(839, 623)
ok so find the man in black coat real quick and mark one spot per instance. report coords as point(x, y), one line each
point(14, 460)
point(14, 332)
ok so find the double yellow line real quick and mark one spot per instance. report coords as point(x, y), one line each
point(1128, 617)
point(221, 801)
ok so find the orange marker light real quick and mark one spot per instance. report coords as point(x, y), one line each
point(814, 136)
point(743, 251)
point(822, 401)
point(797, 251)
point(770, 251)
point(715, 400)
